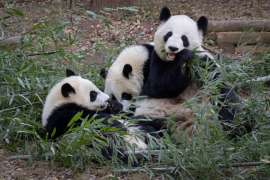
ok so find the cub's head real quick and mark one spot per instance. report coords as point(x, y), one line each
point(176, 33)
point(77, 90)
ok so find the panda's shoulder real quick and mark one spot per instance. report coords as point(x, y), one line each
point(133, 55)
point(139, 50)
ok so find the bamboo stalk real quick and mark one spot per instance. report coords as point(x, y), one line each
point(173, 168)
point(20, 157)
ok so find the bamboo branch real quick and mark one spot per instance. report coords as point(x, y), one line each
point(11, 41)
point(173, 168)
point(245, 164)
point(146, 152)
point(141, 169)
point(16, 107)
point(2, 33)
point(20, 157)
point(43, 53)
point(39, 53)
point(259, 79)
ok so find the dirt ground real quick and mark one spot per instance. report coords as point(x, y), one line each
point(139, 27)
point(13, 167)
point(21, 169)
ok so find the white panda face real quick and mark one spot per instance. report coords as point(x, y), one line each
point(74, 89)
point(83, 92)
point(176, 33)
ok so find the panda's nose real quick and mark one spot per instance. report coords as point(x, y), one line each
point(173, 49)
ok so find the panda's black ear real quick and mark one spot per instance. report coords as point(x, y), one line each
point(103, 73)
point(165, 14)
point(66, 89)
point(202, 24)
point(70, 73)
point(127, 70)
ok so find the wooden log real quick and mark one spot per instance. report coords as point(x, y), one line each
point(255, 49)
point(243, 37)
point(239, 25)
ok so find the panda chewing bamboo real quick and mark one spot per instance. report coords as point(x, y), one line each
point(159, 71)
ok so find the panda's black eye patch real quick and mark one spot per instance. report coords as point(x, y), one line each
point(167, 36)
point(93, 96)
point(126, 96)
point(185, 40)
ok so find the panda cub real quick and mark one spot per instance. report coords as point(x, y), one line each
point(128, 73)
point(72, 95)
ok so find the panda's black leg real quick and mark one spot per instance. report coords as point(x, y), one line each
point(213, 66)
point(230, 104)
point(153, 126)
point(122, 155)
point(229, 100)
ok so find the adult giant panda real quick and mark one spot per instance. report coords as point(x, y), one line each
point(163, 72)
point(174, 42)
point(158, 70)
point(75, 94)
point(135, 71)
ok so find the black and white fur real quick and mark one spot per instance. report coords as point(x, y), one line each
point(71, 95)
point(159, 69)
point(75, 94)
point(162, 70)
point(127, 75)
point(174, 42)
point(168, 77)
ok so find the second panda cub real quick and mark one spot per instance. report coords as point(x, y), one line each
point(72, 95)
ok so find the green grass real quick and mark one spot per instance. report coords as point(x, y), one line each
point(26, 79)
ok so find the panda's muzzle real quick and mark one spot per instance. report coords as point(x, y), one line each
point(172, 54)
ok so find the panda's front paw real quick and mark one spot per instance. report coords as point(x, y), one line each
point(114, 106)
point(186, 55)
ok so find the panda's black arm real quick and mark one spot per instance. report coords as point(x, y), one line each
point(185, 56)
point(156, 124)
point(61, 116)
point(230, 104)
